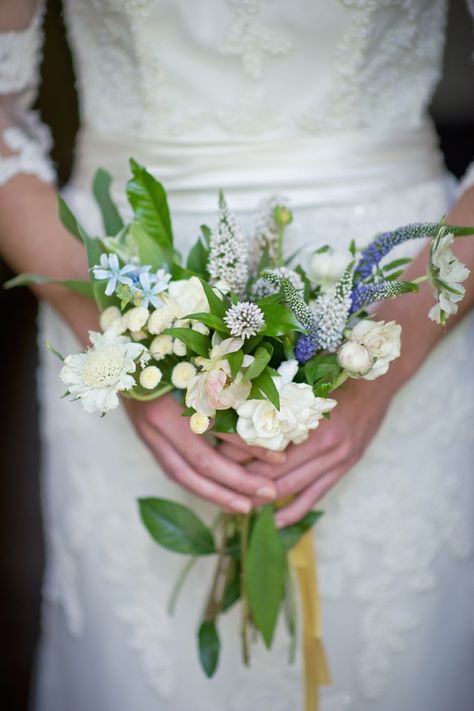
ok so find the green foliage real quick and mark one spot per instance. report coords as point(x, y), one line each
point(225, 421)
point(197, 342)
point(209, 647)
point(68, 219)
point(176, 527)
point(232, 588)
point(148, 250)
point(81, 287)
point(261, 358)
point(197, 259)
point(235, 361)
point(217, 306)
point(111, 218)
point(265, 573)
point(290, 535)
point(210, 320)
point(279, 320)
point(265, 385)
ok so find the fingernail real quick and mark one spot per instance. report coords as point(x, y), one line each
point(241, 506)
point(266, 492)
point(276, 457)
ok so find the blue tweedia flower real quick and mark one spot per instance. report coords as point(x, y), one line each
point(373, 254)
point(366, 294)
point(305, 348)
point(110, 269)
point(150, 286)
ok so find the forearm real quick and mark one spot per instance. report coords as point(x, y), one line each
point(419, 333)
point(32, 239)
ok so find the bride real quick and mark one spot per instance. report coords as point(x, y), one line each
point(325, 102)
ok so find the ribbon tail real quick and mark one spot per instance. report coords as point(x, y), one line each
point(316, 668)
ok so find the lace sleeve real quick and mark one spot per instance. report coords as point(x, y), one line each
point(24, 141)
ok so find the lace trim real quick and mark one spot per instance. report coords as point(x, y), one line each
point(30, 144)
point(20, 55)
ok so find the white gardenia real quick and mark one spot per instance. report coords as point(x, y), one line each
point(96, 376)
point(447, 270)
point(327, 267)
point(261, 424)
point(355, 359)
point(186, 296)
point(382, 340)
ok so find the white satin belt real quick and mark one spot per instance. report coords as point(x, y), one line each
point(345, 168)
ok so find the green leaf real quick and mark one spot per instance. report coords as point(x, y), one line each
point(279, 320)
point(197, 342)
point(290, 535)
point(397, 263)
point(265, 384)
point(68, 219)
point(394, 275)
point(179, 272)
point(197, 259)
point(209, 646)
point(261, 357)
point(217, 306)
point(49, 346)
point(315, 370)
point(232, 588)
point(148, 199)
point(225, 421)
point(206, 233)
point(81, 287)
point(176, 527)
point(353, 248)
point(210, 320)
point(235, 361)
point(265, 573)
point(149, 250)
point(111, 218)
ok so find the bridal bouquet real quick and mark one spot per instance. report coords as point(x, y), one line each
point(250, 342)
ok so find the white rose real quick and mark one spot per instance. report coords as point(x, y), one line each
point(199, 423)
point(355, 359)
point(161, 346)
point(186, 296)
point(136, 318)
point(150, 377)
point(108, 316)
point(179, 348)
point(382, 340)
point(182, 374)
point(160, 319)
point(327, 268)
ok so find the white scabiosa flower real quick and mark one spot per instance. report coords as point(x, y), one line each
point(161, 319)
point(136, 318)
point(96, 376)
point(182, 374)
point(199, 423)
point(244, 319)
point(355, 359)
point(108, 316)
point(161, 346)
point(446, 274)
point(150, 377)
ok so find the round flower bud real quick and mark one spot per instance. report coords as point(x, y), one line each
point(182, 323)
point(160, 319)
point(200, 328)
point(179, 348)
point(161, 346)
point(138, 335)
point(136, 318)
point(108, 316)
point(182, 374)
point(355, 359)
point(150, 377)
point(199, 423)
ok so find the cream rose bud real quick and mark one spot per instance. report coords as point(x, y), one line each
point(182, 375)
point(355, 359)
point(150, 377)
point(327, 268)
point(138, 335)
point(199, 423)
point(161, 346)
point(179, 348)
point(160, 319)
point(136, 318)
point(108, 316)
point(200, 328)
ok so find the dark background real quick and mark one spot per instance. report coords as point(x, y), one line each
point(21, 543)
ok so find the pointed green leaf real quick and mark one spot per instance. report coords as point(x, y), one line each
point(68, 218)
point(261, 357)
point(210, 320)
point(265, 384)
point(176, 527)
point(265, 573)
point(197, 342)
point(225, 421)
point(81, 287)
point(235, 361)
point(216, 305)
point(290, 535)
point(209, 647)
point(111, 218)
point(149, 250)
point(197, 259)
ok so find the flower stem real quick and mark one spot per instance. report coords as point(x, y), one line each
point(280, 235)
point(244, 539)
point(181, 579)
point(421, 279)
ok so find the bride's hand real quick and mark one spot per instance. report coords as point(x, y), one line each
point(191, 461)
point(314, 467)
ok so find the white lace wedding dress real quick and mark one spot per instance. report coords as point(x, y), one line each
point(325, 102)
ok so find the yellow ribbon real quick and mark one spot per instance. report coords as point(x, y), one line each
point(316, 669)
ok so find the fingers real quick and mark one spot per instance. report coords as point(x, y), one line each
point(302, 477)
point(266, 455)
point(305, 501)
point(235, 453)
point(180, 471)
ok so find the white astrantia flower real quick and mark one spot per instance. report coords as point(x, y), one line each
point(199, 423)
point(96, 376)
point(261, 424)
point(150, 377)
point(382, 340)
point(355, 359)
point(244, 319)
point(182, 374)
point(110, 269)
point(161, 346)
point(328, 266)
point(446, 274)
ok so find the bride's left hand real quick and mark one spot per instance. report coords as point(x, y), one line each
point(314, 467)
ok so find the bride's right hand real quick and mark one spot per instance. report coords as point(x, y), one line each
point(191, 461)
